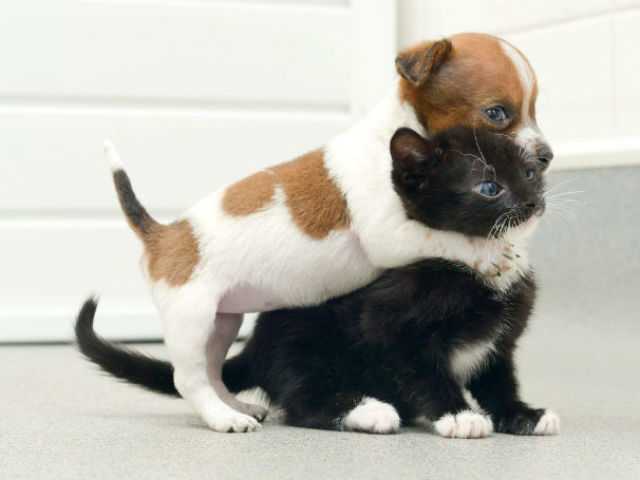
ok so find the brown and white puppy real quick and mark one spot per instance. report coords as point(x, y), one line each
point(326, 223)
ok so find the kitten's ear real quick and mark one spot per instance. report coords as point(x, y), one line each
point(412, 157)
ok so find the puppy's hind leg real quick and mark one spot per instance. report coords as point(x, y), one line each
point(225, 331)
point(188, 314)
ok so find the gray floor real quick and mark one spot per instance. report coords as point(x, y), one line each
point(60, 419)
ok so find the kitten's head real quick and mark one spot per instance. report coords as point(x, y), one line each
point(473, 182)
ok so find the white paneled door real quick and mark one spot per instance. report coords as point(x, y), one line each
point(194, 93)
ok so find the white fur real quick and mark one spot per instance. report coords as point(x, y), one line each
point(373, 416)
point(110, 151)
point(517, 240)
point(549, 424)
point(267, 254)
point(359, 162)
point(466, 424)
point(465, 361)
point(530, 135)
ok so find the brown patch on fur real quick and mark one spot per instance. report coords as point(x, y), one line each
point(418, 63)
point(476, 265)
point(250, 194)
point(172, 252)
point(316, 204)
point(475, 75)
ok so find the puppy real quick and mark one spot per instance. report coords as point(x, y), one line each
point(326, 223)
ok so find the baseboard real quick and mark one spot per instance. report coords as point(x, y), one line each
point(57, 326)
point(612, 152)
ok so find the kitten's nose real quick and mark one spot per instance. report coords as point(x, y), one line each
point(545, 155)
point(535, 205)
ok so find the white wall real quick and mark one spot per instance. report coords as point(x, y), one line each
point(585, 53)
point(195, 94)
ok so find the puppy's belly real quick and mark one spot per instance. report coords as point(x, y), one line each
point(246, 299)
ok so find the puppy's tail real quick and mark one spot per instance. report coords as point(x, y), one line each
point(123, 363)
point(139, 219)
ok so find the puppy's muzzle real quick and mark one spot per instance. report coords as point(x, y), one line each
point(545, 154)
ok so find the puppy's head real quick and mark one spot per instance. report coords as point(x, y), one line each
point(470, 181)
point(476, 80)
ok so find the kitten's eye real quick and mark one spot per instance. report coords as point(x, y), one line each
point(496, 115)
point(488, 189)
point(528, 175)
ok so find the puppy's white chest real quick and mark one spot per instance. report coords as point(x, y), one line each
point(467, 360)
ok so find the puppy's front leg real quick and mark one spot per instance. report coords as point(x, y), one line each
point(400, 243)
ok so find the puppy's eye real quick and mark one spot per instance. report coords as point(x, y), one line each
point(528, 175)
point(496, 115)
point(488, 189)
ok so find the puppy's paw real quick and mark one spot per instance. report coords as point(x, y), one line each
point(373, 416)
point(496, 258)
point(256, 411)
point(465, 424)
point(227, 420)
point(529, 421)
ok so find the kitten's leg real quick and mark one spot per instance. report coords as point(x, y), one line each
point(343, 411)
point(439, 397)
point(496, 390)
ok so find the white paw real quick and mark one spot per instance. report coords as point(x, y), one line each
point(256, 411)
point(497, 259)
point(228, 421)
point(373, 416)
point(549, 424)
point(466, 424)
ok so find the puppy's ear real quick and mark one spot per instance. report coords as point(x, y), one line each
point(417, 64)
point(413, 157)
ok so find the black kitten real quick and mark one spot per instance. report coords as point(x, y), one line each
point(406, 345)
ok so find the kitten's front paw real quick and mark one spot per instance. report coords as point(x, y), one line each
point(529, 421)
point(373, 416)
point(465, 424)
point(549, 424)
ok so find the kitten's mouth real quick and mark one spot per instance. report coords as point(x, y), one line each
point(518, 221)
point(531, 222)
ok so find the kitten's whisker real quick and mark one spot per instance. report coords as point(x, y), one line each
point(475, 137)
point(560, 184)
point(563, 194)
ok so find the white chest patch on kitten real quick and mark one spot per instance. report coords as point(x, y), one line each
point(465, 361)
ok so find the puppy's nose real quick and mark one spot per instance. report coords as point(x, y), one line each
point(545, 155)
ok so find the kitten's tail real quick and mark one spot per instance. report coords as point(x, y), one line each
point(139, 219)
point(121, 362)
point(142, 370)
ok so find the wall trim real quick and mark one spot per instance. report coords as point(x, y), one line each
point(57, 326)
point(610, 152)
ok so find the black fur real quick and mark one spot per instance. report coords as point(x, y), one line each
point(393, 339)
point(119, 361)
point(136, 214)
